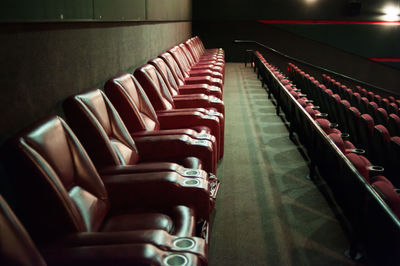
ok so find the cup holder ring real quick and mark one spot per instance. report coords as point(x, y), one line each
point(191, 172)
point(191, 182)
point(175, 260)
point(200, 142)
point(359, 151)
point(344, 135)
point(324, 115)
point(203, 136)
point(376, 168)
point(184, 243)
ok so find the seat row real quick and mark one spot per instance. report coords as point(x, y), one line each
point(129, 179)
point(364, 132)
point(385, 111)
point(368, 200)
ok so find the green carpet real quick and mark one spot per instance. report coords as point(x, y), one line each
point(267, 212)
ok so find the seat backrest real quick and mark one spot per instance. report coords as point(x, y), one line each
point(388, 193)
point(166, 74)
point(394, 125)
point(181, 59)
point(132, 103)
point(17, 246)
point(360, 163)
point(173, 66)
point(100, 129)
point(155, 87)
point(58, 188)
point(186, 52)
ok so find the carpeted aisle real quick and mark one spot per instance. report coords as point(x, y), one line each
point(267, 212)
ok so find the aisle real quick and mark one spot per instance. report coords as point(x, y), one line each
point(267, 212)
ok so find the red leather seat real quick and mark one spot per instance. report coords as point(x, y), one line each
point(176, 89)
point(202, 68)
point(140, 118)
point(67, 198)
point(19, 249)
point(388, 193)
point(161, 99)
point(184, 77)
point(101, 130)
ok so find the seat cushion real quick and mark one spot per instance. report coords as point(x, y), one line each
point(178, 220)
point(191, 162)
point(139, 221)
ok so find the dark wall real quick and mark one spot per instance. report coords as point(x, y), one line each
point(297, 46)
point(228, 20)
point(42, 64)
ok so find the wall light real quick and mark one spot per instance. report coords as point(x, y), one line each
point(310, 1)
point(391, 13)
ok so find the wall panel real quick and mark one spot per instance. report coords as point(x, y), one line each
point(42, 64)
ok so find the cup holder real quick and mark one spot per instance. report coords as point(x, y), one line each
point(191, 172)
point(315, 107)
point(191, 182)
point(358, 151)
point(309, 101)
point(333, 125)
point(184, 243)
point(302, 95)
point(322, 115)
point(344, 135)
point(175, 260)
point(200, 142)
point(376, 169)
point(203, 136)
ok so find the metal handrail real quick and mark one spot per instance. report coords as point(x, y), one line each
point(315, 66)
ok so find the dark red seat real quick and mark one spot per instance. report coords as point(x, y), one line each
point(162, 100)
point(56, 181)
point(175, 89)
point(104, 135)
point(394, 125)
point(140, 118)
point(388, 193)
point(76, 250)
point(366, 131)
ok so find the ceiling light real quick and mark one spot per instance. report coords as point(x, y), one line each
point(391, 13)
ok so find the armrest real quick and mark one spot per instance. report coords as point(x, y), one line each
point(199, 101)
point(148, 167)
point(195, 89)
point(158, 190)
point(204, 80)
point(205, 71)
point(163, 132)
point(121, 255)
point(158, 238)
point(170, 120)
point(176, 147)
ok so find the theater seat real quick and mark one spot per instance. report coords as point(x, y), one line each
point(173, 86)
point(161, 99)
point(366, 132)
point(56, 181)
point(380, 145)
point(18, 249)
point(364, 166)
point(394, 125)
point(388, 193)
point(104, 135)
point(140, 118)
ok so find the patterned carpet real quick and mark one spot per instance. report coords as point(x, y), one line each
point(267, 211)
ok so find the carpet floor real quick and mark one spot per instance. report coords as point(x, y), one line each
point(267, 211)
